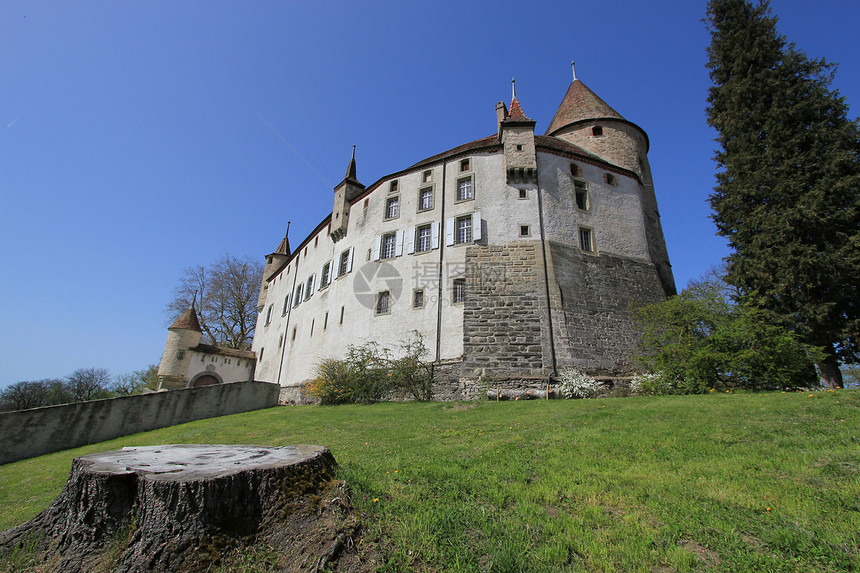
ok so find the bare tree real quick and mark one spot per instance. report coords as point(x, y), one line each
point(88, 383)
point(24, 395)
point(135, 382)
point(226, 300)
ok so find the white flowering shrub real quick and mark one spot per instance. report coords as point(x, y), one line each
point(573, 384)
point(652, 384)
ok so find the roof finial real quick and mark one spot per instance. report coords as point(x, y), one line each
point(353, 152)
point(194, 300)
point(513, 89)
point(287, 234)
point(573, 69)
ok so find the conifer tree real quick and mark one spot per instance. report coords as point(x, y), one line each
point(788, 191)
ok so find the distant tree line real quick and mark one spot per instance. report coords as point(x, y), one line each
point(81, 385)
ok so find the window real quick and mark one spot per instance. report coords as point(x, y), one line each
point(524, 193)
point(525, 231)
point(316, 240)
point(459, 294)
point(464, 189)
point(392, 207)
point(423, 239)
point(597, 131)
point(575, 170)
point(464, 165)
point(325, 275)
point(269, 314)
point(383, 300)
point(345, 263)
point(281, 341)
point(309, 290)
point(298, 298)
point(393, 187)
point(180, 355)
point(312, 328)
point(425, 199)
point(325, 321)
point(295, 329)
point(341, 315)
point(586, 242)
point(519, 147)
point(427, 176)
point(389, 243)
point(463, 230)
point(580, 190)
point(286, 305)
point(418, 298)
point(610, 179)
point(261, 354)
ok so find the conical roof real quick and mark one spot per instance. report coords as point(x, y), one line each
point(284, 247)
point(516, 113)
point(580, 103)
point(188, 321)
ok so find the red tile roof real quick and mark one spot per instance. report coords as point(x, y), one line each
point(188, 321)
point(516, 113)
point(580, 103)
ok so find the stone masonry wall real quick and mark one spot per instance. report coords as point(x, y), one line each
point(592, 298)
point(505, 329)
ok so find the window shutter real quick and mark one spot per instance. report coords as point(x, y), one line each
point(335, 267)
point(349, 260)
point(410, 241)
point(313, 284)
point(377, 247)
point(434, 234)
point(449, 232)
point(476, 226)
point(398, 243)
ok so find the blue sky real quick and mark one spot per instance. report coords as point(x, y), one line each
point(134, 143)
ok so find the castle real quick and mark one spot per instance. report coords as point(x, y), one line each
point(515, 256)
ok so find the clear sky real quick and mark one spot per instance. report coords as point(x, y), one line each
point(134, 138)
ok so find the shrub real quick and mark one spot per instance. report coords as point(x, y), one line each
point(574, 384)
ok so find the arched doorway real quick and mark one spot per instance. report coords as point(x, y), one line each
point(205, 380)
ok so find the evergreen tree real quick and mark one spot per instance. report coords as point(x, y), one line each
point(788, 190)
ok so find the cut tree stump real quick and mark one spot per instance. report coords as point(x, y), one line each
point(182, 507)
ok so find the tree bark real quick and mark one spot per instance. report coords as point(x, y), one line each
point(178, 508)
point(831, 375)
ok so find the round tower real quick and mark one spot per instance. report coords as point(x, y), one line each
point(182, 336)
point(274, 262)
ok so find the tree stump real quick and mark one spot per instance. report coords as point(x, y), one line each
point(181, 507)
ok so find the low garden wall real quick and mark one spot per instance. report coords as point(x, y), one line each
point(30, 433)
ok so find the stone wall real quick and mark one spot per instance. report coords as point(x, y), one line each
point(592, 298)
point(505, 327)
point(30, 433)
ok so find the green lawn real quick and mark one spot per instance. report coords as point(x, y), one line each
point(741, 482)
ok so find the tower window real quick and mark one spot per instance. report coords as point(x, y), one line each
point(610, 179)
point(586, 240)
point(575, 170)
point(580, 190)
point(597, 131)
point(519, 147)
point(524, 193)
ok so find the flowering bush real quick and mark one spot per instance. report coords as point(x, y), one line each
point(646, 383)
point(574, 384)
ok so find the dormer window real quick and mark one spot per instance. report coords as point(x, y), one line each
point(597, 131)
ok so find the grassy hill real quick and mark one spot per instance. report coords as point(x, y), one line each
point(730, 482)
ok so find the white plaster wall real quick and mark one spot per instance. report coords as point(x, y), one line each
point(614, 214)
point(229, 368)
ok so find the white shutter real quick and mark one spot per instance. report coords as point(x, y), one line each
point(449, 232)
point(349, 260)
point(313, 284)
point(398, 243)
point(476, 226)
point(410, 241)
point(335, 267)
point(434, 234)
point(377, 247)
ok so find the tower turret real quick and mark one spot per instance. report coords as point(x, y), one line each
point(182, 336)
point(517, 134)
point(344, 193)
point(274, 261)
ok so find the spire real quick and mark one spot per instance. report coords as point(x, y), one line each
point(284, 247)
point(580, 104)
point(350, 169)
point(516, 113)
point(573, 69)
point(188, 320)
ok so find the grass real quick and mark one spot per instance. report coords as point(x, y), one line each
point(730, 482)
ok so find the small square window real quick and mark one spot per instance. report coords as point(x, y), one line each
point(393, 187)
point(425, 199)
point(383, 301)
point(610, 179)
point(586, 240)
point(392, 207)
point(597, 131)
point(464, 165)
point(575, 170)
point(459, 293)
point(524, 193)
point(519, 147)
point(427, 176)
point(525, 231)
point(180, 355)
point(464, 189)
point(418, 298)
